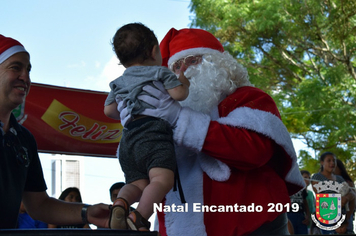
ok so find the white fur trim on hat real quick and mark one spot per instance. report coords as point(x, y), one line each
point(11, 51)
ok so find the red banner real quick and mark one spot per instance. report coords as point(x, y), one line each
point(70, 121)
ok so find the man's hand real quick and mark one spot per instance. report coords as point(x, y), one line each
point(99, 215)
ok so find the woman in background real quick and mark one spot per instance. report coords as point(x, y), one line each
point(71, 194)
point(341, 170)
point(327, 167)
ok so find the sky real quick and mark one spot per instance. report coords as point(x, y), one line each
point(69, 43)
point(69, 40)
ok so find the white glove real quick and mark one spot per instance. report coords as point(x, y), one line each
point(125, 117)
point(165, 106)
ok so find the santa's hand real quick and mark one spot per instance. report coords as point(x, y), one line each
point(125, 116)
point(190, 127)
point(165, 106)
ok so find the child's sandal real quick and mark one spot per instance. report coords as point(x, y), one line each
point(119, 214)
point(138, 223)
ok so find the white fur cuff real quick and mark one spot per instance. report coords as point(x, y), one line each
point(191, 129)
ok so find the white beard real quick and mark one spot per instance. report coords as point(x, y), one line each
point(209, 85)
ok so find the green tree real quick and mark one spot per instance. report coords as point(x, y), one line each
point(302, 53)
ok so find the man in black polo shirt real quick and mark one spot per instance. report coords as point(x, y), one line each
point(21, 176)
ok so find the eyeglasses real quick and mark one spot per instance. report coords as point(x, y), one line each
point(190, 60)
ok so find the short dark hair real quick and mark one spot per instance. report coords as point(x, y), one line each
point(302, 172)
point(133, 43)
point(116, 186)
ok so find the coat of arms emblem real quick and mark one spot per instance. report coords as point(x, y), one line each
point(328, 215)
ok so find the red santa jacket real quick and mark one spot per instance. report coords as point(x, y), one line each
point(237, 168)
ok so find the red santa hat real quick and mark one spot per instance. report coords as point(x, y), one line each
point(181, 43)
point(9, 47)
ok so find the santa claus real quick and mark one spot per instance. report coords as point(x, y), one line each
point(236, 160)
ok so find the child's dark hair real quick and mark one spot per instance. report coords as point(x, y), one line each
point(133, 43)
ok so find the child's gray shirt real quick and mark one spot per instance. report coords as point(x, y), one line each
point(129, 86)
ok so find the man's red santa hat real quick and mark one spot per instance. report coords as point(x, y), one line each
point(9, 47)
point(181, 43)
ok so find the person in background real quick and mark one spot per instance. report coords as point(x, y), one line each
point(312, 229)
point(301, 219)
point(328, 164)
point(290, 227)
point(71, 194)
point(115, 189)
point(232, 147)
point(21, 175)
point(26, 222)
point(341, 170)
point(146, 151)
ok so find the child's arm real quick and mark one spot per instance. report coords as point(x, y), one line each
point(111, 111)
point(180, 92)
